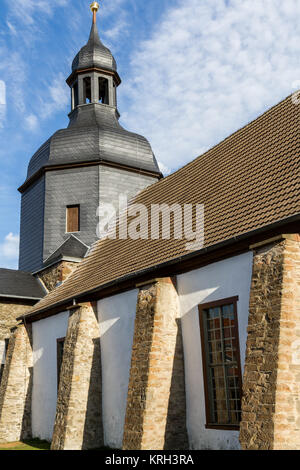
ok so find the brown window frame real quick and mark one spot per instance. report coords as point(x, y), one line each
point(59, 357)
point(72, 206)
point(202, 307)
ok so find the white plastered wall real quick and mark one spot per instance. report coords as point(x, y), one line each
point(116, 321)
point(44, 394)
point(224, 279)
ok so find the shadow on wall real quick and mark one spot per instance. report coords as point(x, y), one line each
point(26, 431)
point(138, 378)
point(176, 433)
point(63, 399)
point(1, 371)
point(93, 426)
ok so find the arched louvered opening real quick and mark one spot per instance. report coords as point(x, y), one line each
point(103, 91)
point(87, 90)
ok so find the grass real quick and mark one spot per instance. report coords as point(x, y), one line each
point(34, 444)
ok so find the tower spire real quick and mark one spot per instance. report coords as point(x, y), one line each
point(94, 7)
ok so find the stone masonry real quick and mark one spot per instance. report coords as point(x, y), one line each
point(16, 387)
point(271, 386)
point(78, 423)
point(57, 273)
point(156, 414)
point(10, 309)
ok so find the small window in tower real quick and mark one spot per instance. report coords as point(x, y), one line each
point(103, 90)
point(73, 219)
point(87, 90)
point(75, 94)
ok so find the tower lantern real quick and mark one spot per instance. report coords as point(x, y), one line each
point(91, 162)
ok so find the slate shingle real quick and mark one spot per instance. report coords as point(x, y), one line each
point(20, 284)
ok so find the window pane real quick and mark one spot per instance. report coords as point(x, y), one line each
point(222, 364)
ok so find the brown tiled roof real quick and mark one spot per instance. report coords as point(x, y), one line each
point(249, 180)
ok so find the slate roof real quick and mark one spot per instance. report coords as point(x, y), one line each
point(20, 284)
point(71, 248)
point(248, 181)
point(94, 134)
point(94, 54)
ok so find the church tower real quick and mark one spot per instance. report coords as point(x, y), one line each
point(93, 161)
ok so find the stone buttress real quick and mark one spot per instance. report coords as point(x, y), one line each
point(271, 385)
point(78, 422)
point(156, 412)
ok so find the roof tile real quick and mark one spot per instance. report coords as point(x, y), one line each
point(248, 181)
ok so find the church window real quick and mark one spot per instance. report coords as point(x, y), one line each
point(221, 363)
point(87, 90)
point(73, 219)
point(103, 90)
point(60, 350)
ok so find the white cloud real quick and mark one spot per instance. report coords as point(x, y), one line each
point(12, 28)
point(164, 169)
point(31, 122)
point(2, 102)
point(13, 70)
point(209, 67)
point(59, 97)
point(119, 28)
point(2, 92)
point(9, 251)
point(24, 20)
point(24, 10)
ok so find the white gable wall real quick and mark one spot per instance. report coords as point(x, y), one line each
point(116, 320)
point(228, 278)
point(44, 394)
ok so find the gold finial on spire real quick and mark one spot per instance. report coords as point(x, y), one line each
point(94, 7)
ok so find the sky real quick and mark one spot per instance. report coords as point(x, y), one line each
point(193, 72)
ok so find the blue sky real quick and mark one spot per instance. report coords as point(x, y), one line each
point(193, 72)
